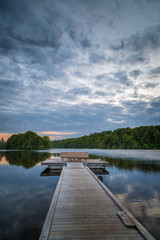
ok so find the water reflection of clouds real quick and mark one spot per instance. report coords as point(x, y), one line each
point(121, 197)
point(4, 192)
point(120, 175)
point(149, 208)
point(129, 188)
point(142, 208)
point(140, 192)
point(30, 195)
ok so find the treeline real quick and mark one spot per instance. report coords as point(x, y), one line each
point(26, 141)
point(2, 144)
point(145, 137)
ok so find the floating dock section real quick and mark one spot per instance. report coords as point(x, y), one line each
point(58, 163)
point(84, 208)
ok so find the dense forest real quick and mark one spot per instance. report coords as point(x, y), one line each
point(26, 141)
point(145, 137)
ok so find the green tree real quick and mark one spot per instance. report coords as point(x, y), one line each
point(28, 141)
point(2, 144)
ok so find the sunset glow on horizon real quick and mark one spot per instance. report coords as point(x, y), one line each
point(5, 136)
point(56, 135)
point(51, 134)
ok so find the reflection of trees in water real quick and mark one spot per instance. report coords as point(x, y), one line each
point(144, 166)
point(2, 154)
point(130, 164)
point(27, 159)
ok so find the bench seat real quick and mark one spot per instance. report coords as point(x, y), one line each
point(74, 156)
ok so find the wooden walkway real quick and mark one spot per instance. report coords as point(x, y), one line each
point(53, 161)
point(83, 208)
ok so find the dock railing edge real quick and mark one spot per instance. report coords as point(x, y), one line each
point(46, 226)
point(138, 225)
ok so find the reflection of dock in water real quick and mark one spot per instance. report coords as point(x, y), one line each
point(51, 172)
point(57, 172)
point(84, 208)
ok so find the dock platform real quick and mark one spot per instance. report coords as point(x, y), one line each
point(58, 163)
point(84, 208)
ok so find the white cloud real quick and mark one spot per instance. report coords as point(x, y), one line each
point(115, 121)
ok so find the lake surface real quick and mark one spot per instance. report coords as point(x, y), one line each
point(134, 177)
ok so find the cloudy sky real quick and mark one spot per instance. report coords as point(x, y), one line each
point(73, 67)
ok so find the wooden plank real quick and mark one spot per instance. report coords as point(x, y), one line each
point(77, 165)
point(81, 235)
point(125, 219)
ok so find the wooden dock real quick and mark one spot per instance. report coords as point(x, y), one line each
point(84, 208)
point(58, 163)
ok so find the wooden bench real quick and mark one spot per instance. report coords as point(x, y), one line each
point(74, 156)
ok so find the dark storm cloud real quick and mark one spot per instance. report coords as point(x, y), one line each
point(155, 71)
point(135, 73)
point(151, 85)
point(26, 23)
point(102, 76)
point(150, 38)
point(78, 37)
point(9, 90)
point(155, 106)
point(137, 48)
point(99, 93)
point(79, 91)
point(62, 121)
point(97, 58)
point(102, 79)
point(140, 107)
point(43, 40)
point(121, 76)
point(140, 113)
point(7, 44)
point(135, 58)
point(14, 6)
point(86, 43)
point(129, 57)
point(80, 75)
point(7, 83)
point(119, 45)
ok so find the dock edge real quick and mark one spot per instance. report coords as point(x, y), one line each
point(46, 226)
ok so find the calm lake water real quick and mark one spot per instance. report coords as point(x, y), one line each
point(25, 195)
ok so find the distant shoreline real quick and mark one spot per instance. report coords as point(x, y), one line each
point(145, 137)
